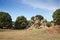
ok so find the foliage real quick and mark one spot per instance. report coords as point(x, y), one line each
point(32, 18)
point(5, 20)
point(30, 23)
point(48, 24)
point(13, 24)
point(40, 17)
point(56, 17)
point(21, 22)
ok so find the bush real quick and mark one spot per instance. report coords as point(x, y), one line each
point(48, 24)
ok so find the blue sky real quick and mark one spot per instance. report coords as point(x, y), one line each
point(29, 8)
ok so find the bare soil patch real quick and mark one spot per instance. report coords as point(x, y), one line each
point(54, 29)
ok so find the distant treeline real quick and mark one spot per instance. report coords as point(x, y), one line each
point(21, 21)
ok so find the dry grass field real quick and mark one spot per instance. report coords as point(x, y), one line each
point(27, 35)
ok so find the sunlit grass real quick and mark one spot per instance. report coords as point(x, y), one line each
point(28, 35)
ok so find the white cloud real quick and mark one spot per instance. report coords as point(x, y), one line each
point(42, 4)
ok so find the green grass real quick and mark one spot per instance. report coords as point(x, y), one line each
point(27, 35)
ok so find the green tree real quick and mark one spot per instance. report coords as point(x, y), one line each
point(5, 20)
point(21, 22)
point(40, 17)
point(56, 17)
point(13, 24)
point(32, 18)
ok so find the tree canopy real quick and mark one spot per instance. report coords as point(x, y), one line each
point(32, 18)
point(21, 22)
point(56, 17)
point(5, 20)
point(40, 17)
